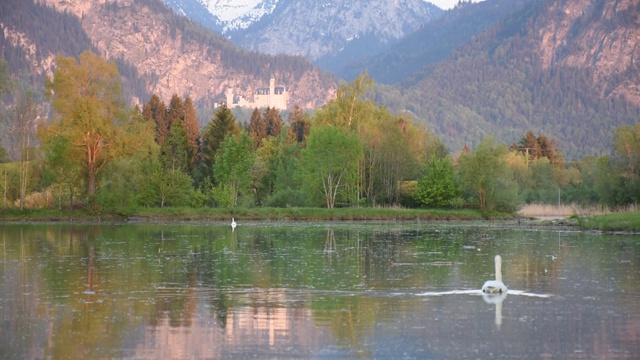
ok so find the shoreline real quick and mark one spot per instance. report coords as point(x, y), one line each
point(628, 222)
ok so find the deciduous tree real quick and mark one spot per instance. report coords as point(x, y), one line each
point(91, 114)
point(21, 127)
point(438, 187)
point(485, 175)
point(330, 161)
point(233, 164)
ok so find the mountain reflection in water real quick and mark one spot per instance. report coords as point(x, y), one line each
point(315, 290)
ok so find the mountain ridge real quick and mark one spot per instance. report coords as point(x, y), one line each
point(501, 83)
point(327, 33)
point(569, 69)
point(174, 55)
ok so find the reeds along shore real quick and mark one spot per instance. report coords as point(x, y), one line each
point(565, 210)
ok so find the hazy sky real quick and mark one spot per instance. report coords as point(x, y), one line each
point(446, 4)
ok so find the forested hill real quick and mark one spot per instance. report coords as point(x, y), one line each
point(433, 42)
point(167, 54)
point(33, 34)
point(568, 69)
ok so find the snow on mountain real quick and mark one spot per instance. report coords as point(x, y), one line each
point(239, 14)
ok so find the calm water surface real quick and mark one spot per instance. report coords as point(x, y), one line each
point(316, 290)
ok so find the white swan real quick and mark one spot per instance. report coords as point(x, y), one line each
point(495, 286)
point(233, 223)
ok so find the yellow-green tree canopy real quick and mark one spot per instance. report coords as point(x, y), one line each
point(91, 114)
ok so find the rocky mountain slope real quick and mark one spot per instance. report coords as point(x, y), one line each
point(600, 36)
point(330, 33)
point(432, 42)
point(568, 69)
point(173, 55)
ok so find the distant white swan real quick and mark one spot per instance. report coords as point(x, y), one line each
point(495, 286)
point(233, 223)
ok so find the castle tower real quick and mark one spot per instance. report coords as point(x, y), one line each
point(229, 97)
point(272, 89)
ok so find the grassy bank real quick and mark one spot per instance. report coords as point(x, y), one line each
point(625, 221)
point(217, 214)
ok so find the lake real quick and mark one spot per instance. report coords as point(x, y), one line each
point(298, 290)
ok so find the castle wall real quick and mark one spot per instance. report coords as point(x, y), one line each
point(273, 96)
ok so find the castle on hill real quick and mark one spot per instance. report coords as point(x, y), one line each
point(273, 96)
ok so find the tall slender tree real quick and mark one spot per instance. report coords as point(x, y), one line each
point(299, 125)
point(175, 111)
point(156, 111)
point(274, 121)
point(257, 127)
point(175, 153)
point(223, 124)
point(21, 127)
point(191, 123)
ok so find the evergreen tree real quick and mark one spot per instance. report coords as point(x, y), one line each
point(175, 111)
point(537, 147)
point(257, 127)
point(299, 125)
point(191, 123)
point(156, 111)
point(274, 121)
point(223, 124)
point(175, 153)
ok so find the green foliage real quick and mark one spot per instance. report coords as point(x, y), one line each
point(155, 111)
point(542, 185)
point(118, 194)
point(257, 127)
point(9, 189)
point(611, 187)
point(159, 186)
point(273, 121)
point(485, 176)
point(299, 125)
point(626, 144)
point(627, 221)
point(497, 86)
point(65, 177)
point(287, 188)
point(222, 125)
point(327, 170)
point(4, 155)
point(438, 187)
point(176, 152)
point(233, 165)
point(91, 114)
